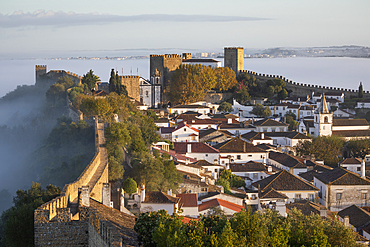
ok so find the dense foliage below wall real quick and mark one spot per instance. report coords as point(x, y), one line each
point(65, 153)
point(243, 229)
point(16, 223)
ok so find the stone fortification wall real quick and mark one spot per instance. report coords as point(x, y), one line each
point(70, 191)
point(44, 78)
point(217, 98)
point(62, 231)
point(132, 83)
point(301, 89)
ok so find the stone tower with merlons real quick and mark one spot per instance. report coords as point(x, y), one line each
point(234, 58)
point(323, 119)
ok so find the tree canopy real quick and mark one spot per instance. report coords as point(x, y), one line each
point(129, 185)
point(115, 84)
point(327, 148)
point(189, 83)
point(18, 220)
point(261, 111)
point(243, 229)
point(90, 79)
point(225, 107)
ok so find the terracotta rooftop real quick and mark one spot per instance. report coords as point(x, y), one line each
point(340, 176)
point(272, 194)
point(219, 202)
point(250, 166)
point(269, 122)
point(358, 217)
point(189, 106)
point(205, 163)
point(196, 147)
point(159, 197)
point(123, 222)
point(286, 160)
point(236, 145)
point(306, 207)
point(188, 200)
point(284, 181)
point(350, 122)
point(351, 161)
point(255, 136)
point(288, 134)
point(351, 133)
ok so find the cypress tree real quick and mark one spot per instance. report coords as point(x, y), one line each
point(360, 91)
point(112, 81)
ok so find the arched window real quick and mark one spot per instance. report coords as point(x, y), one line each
point(326, 120)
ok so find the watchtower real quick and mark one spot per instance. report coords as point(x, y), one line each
point(40, 70)
point(164, 65)
point(234, 58)
point(187, 56)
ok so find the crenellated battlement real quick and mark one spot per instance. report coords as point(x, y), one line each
point(130, 76)
point(233, 48)
point(167, 56)
point(300, 88)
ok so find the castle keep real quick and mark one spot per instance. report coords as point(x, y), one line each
point(161, 70)
point(234, 58)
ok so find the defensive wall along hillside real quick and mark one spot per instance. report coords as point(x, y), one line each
point(301, 89)
point(81, 215)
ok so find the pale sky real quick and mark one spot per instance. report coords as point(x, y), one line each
point(32, 26)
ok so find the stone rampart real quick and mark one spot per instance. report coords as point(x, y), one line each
point(302, 89)
point(70, 191)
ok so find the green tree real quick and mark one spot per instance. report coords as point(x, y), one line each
point(90, 79)
point(115, 84)
point(56, 94)
point(225, 107)
point(290, 119)
point(225, 78)
point(359, 148)
point(261, 111)
point(327, 148)
point(129, 185)
point(19, 226)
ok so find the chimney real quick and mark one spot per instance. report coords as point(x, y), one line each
point(346, 221)
point(106, 195)
point(215, 162)
point(244, 147)
point(262, 136)
point(188, 150)
point(269, 169)
point(187, 161)
point(85, 196)
point(169, 192)
point(323, 212)
point(252, 120)
point(142, 194)
point(363, 169)
point(229, 120)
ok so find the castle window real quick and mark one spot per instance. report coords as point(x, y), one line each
point(326, 120)
point(364, 196)
point(339, 196)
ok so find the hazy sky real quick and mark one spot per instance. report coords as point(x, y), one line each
point(31, 26)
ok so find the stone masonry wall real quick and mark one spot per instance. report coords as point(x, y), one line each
point(132, 84)
point(301, 89)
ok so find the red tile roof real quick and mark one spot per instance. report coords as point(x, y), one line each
point(196, 147)
point(188, 200)
point(352, 161)
point(219, 202)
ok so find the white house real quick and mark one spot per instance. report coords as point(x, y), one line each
point(236, 150)
point(355, 165)
point(189, 203)
point(340, 188)
point(250, 171)
point(257, 138)
point(287, 139)
point(185, 108)
point(156, 200)
point(286, 162)
point(363, 104)
point(288, 184)
point(270, 125)
point(184, 133)
point(198, 151)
